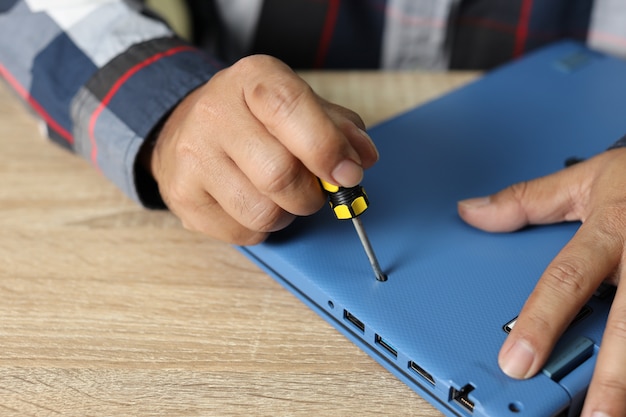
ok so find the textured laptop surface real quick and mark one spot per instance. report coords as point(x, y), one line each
point(439, 321)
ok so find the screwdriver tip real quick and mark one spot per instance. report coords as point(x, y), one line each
point(378, 272)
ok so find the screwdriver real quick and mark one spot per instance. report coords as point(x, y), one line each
point(350, 203)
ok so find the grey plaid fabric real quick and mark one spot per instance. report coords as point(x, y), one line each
point(101, 74)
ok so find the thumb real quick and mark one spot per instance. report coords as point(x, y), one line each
point(543, 200)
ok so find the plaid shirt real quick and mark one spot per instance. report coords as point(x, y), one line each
point(103, 73)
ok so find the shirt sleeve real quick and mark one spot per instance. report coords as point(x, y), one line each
point(101, 74)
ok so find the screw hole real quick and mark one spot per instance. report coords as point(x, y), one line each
point(331, 304)
point(516, 407)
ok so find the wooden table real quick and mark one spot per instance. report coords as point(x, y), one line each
point(107, 309)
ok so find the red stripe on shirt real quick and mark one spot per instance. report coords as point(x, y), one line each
point(521, 32)
point(19, 89)
point(115, 88)
point(327, 33)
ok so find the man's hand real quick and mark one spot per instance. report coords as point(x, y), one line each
point(594, 192)
point(238, 158)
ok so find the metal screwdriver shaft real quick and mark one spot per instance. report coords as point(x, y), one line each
point(368, 249)
point(350, 203)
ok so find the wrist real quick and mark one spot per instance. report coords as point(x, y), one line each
point(145, 155)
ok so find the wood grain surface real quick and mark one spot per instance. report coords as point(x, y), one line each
point(108, 309)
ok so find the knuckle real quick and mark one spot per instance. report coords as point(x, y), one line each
point(565, 276)
point(609, 382)
point(517, 194)
point(234, 234)
point(279, 174)
point(189, 212)
point(350, 115)
point(227, 231)
point(254, 62)
point(243, 237)
point(185, 155)
point(519, 190)
point(280, 96)
point(207, 108)
point(208, 103)
point(178, 197)
point(537, 324)
point(265, 216)
point(611, 224)
point(192, 226)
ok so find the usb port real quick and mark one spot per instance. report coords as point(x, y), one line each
point(382, 342)
point(461, 397)
point(421, 372)
point(352, 319)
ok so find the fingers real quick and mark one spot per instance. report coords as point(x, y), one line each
point(263, 170)
point(567, 283)
point(607, 392)
point(216, 199)
point(352, 126)
point(238, 157)
point(272, 172)
point(265, 146)
point(592, 191)
point(549, 199)
point(221, 225)
point(291, 112)
point(212, 195)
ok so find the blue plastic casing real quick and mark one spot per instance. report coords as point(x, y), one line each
point(451, 287)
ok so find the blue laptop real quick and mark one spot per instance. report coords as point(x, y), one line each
point(453, 292)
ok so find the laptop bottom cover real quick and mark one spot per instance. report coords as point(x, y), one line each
point(440, 319)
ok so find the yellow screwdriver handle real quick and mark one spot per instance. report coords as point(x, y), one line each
point(347, 203)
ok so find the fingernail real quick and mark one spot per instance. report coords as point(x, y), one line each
point(516, 362)
point(348, 173)
point(599, 414)
point(473, 203)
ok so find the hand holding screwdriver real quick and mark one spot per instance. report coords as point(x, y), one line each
point(239, 157)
